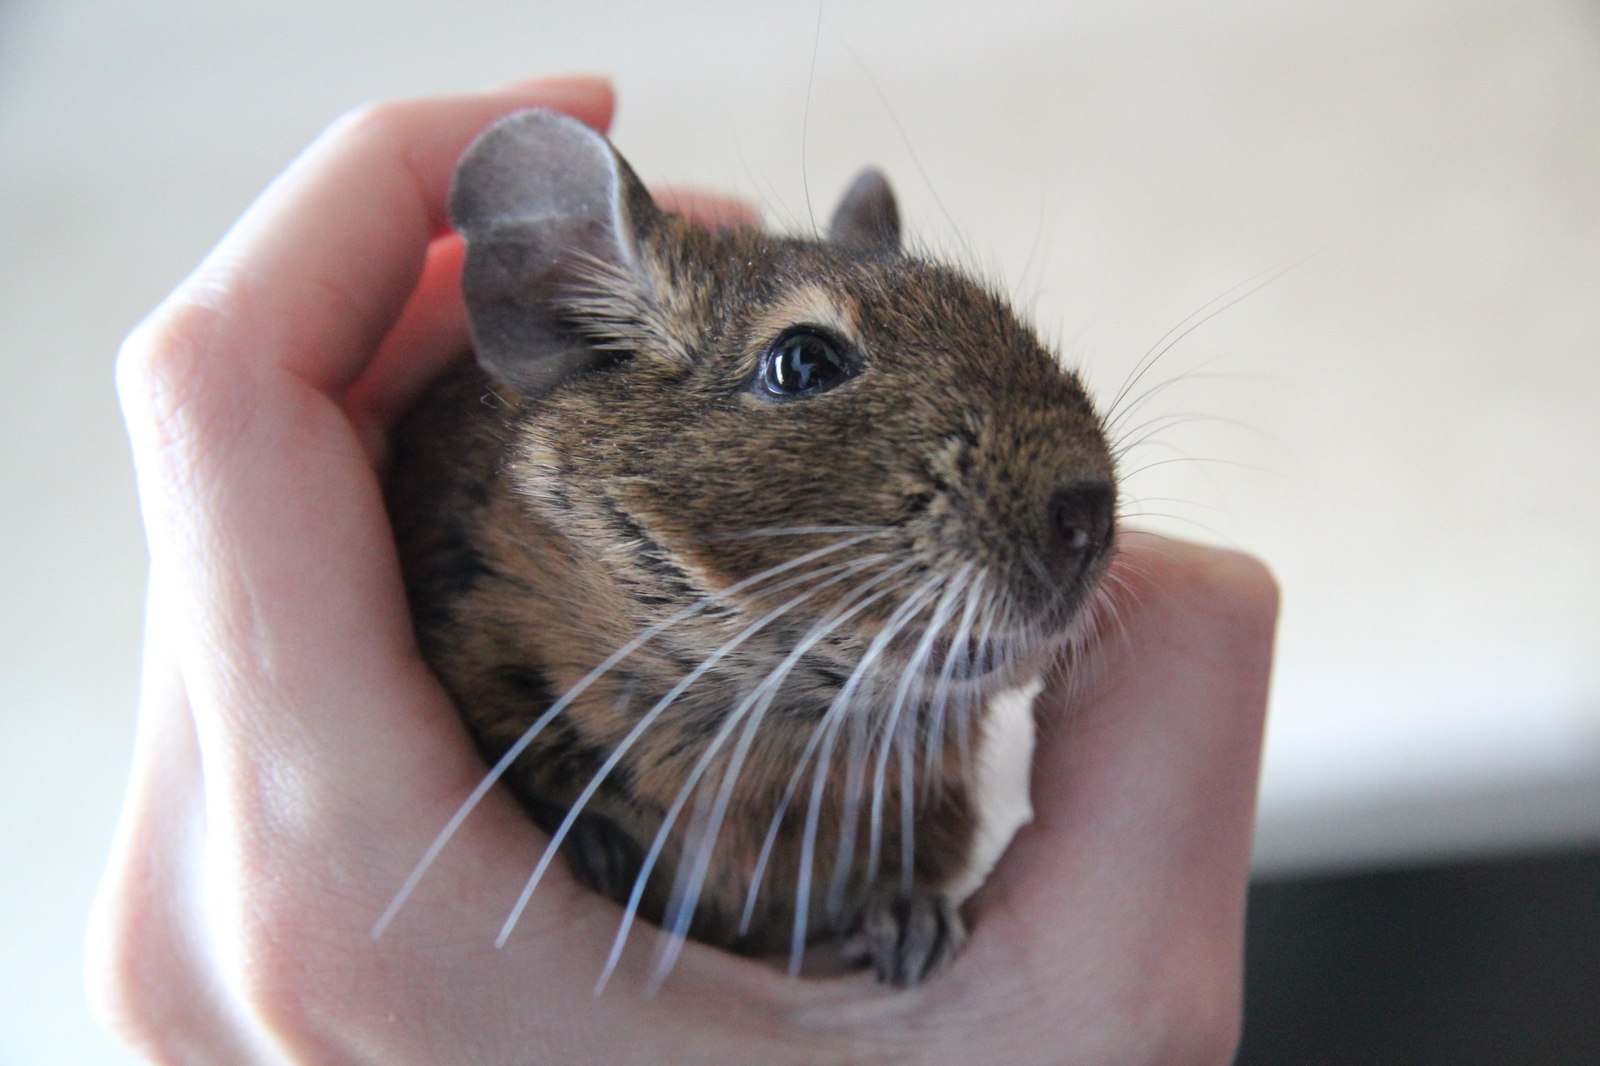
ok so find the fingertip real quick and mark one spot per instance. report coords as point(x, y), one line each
point(430, 334)
point(589, 98)
point(1233, 586)
point(709, 209)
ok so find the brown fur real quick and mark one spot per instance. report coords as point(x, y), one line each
point(540, 534)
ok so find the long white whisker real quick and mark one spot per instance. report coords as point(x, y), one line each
point(498, 770)
point(791, 788)
point(912, 672)
point(828, 722)
point(627, 742)
point(808, 844)
point(863, 727)
point(696, 772)
point(753, 709)
point(797, 531)
point(856, 760)
point(941, 693)
point(904, 731)
point(908, 839)
point(793, 784)
point(980, 661)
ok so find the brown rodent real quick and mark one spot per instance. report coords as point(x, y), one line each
point(730, 542)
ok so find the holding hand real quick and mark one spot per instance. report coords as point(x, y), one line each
point(295, 756)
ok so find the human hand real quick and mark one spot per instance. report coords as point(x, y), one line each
point(295, 756)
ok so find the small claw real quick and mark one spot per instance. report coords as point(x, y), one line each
point(603, 857)
point(911, 934)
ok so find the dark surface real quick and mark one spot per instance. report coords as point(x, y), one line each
point(1488, 962)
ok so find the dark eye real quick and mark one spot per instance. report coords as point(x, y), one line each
point(803, 363)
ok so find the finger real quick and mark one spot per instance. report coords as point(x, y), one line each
point(150, 976)
point(331, 251)
point(432, 330)
point(430, 335)
point(260, 501)
point(709, 209)
point(250, 479)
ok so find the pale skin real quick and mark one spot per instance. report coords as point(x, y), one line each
point(295, 757)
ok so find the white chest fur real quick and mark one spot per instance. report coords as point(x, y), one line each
point(1003, 765)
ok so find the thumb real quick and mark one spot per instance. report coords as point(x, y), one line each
point(1131, 879)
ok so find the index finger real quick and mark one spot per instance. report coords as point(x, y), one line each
point(323, 275)
point(261, 506)
point(366, 255)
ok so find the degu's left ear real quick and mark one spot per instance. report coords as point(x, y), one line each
point(867, 219)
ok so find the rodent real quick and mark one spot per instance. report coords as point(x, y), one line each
point(832, 500)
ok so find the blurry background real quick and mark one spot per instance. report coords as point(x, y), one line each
point(1404, 425)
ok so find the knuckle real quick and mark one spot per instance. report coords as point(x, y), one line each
point(386, 122)
point(161, 365)
point(1213, 1022)
point(133, 972)
point(1200, 1009)
point(255, 970)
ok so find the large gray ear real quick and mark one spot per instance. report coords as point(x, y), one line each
point(867, 219)
point(542, 200)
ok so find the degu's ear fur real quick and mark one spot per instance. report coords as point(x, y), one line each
point(867, 219)
point(544, 202)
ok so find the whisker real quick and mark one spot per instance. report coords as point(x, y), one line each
point(1200, 460)
point(864, 728)
point(757, 705)
point(753, 708)
point(855, 783)
point(1153, 427)
point(980, 658)
point(1084, 657)
point(1193, 321)
point(805, 124)
point(1194, 523)
point(498, 770)
point(764, 693)
point(825, 729)
point(1036, 565)
point(1198, 373)
point(1130, 500)
point(1106, 605)
point(916, 159)
point(621, 749)
point(892, 727)
point(941, 692)
point(908, 838)
point(808, 843)
point(797, 531)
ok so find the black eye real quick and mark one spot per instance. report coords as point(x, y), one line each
point(803, 363)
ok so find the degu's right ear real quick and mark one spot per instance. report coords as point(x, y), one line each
point(867, 219)
point(543, 202)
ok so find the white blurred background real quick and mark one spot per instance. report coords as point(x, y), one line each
point(1405, 425)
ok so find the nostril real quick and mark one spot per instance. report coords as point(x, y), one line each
point(1080, 519)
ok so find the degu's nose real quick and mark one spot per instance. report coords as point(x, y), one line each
point(1078, 523)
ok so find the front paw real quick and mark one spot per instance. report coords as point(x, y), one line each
point(603, 856)
point(910, 934)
